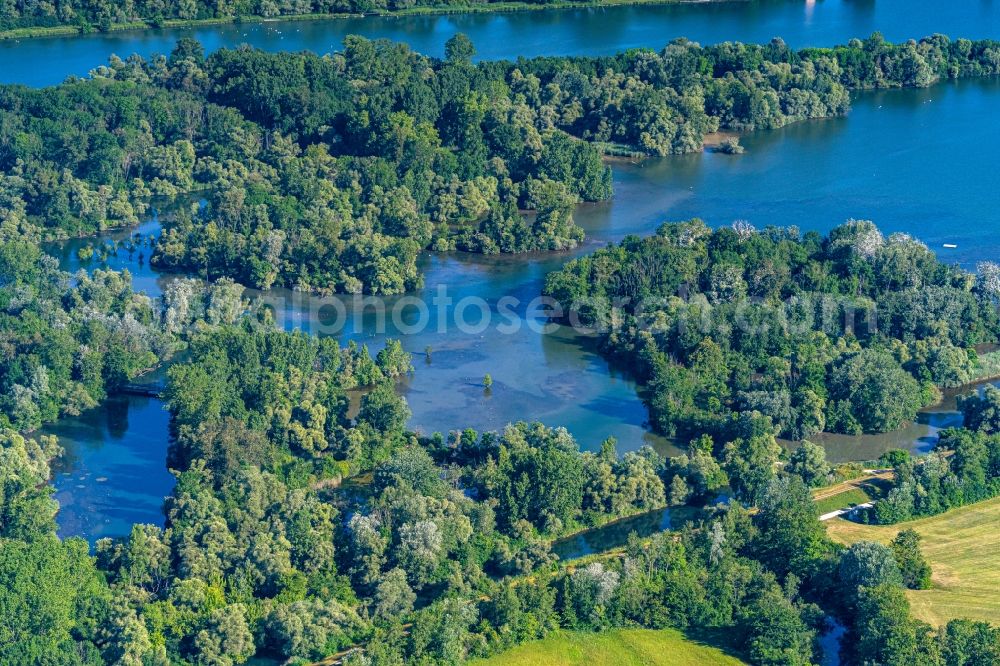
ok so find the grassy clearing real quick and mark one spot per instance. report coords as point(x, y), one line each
point(31, 33)
point(963, 549)
point(851, 493)
point(620, 150)
point(623, 647)
point(843, 500)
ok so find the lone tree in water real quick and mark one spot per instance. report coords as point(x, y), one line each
point(487, 380)
point(730, 146)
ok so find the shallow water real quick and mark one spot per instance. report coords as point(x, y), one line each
point(113, 473)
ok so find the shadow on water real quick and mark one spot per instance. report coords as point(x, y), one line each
point(113, 473)
point(616, 534)
point(830, 642)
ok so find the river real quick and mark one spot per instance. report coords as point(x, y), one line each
point(589, 31)
point(919, 161)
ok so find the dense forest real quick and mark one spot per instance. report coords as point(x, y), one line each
point(852, 332)
point(443, 554)
point(332, 173)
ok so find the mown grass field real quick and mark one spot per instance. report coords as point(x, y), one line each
point(963, 549)
point(624, 647)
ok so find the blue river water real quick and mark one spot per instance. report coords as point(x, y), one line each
point(589, 31)
point(917, 161)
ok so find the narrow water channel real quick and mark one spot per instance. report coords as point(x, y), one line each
point(615, 534)
point(813, 175)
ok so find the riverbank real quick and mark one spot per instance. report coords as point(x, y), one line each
point(505, 6)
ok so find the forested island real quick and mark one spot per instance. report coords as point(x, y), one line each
point(852, 332)
point(332, 173)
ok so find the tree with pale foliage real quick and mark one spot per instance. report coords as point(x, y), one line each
point(808, 462)
point(393, 597)
point(420, 550)
point(226, 639)
point(988, 279)
point(868, 564)
point(311, 629)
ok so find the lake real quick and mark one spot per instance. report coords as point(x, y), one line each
point(590, 31)
point(918, 161)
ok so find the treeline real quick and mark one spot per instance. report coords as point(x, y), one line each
point(850, 333)
point(332, 173)
point(443, 555)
